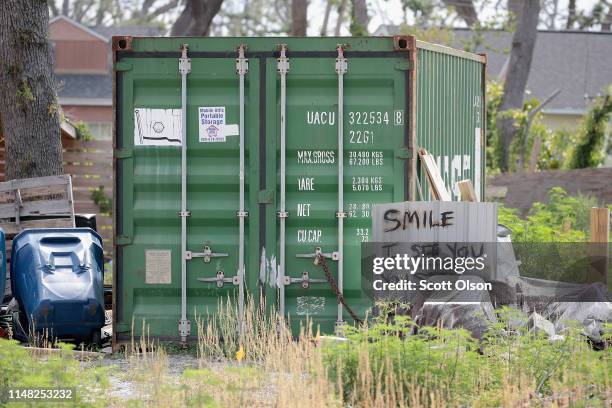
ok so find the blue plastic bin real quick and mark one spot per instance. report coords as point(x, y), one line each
point(57, 276)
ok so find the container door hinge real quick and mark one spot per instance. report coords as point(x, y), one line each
point(123, 66)
point(122, 240)
point(123, 153)
point(403, 153)
point(403, 66)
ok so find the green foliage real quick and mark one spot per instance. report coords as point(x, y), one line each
point(562, 219)
point(24, 94)
point(82, 131)
point(449, 365)
point(104, 202)
point(522, 145)
point(588, 149)
point(58, 370)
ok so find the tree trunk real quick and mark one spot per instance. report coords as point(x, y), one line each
point(65, 7)
point(29, 109)
point(328, 8)
point(465, 9)
point(196, 18)
point(514, 7)
point(521, 54)
point(571, 15)
point(341, 8)
point(299, 12)
point(360, 18)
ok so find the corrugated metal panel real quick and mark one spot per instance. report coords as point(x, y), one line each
point(450, 115)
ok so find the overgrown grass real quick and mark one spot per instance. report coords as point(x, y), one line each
point(255, 361)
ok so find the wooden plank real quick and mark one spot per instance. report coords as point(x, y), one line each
point(467, 191)
point(434, 179)
point(88, 144)
point(80, 157)
point(600, 224)
point(34, 208)
point(34, 182)
point(12, 228)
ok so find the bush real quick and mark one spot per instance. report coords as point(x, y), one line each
point(563, 219)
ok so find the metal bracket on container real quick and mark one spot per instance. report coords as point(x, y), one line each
point(305, 280)
point(207, 254)
point(282, 214)
point(222, 280)
point(242, 214)
point(184, 327)
point(242, 64)
point(283, 65)
point(341, 62)
point(184, 61)
point(184, 213)
point(334, 256)
point(340, 214)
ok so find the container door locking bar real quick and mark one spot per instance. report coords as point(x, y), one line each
point(242, 67)
point(341, 69)
point(283, 68)
point(184, 69)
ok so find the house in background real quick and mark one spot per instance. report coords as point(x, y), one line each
point(83, 69)
point(578, 63)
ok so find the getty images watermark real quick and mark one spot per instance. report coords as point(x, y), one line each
point(404, 264)
point(505, 272)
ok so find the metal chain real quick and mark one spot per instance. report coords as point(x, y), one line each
point(320, 260)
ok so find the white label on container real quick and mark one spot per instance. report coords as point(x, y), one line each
point(212, 126)
point(158, 265)
point(157, 127)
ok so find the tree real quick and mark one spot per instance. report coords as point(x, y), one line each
point(196, 18)
point(589, 148)
point(359, 18)
point(299, 12)
point(29, 109)
point(521, 54)
point(465, 9)
point(112, 12)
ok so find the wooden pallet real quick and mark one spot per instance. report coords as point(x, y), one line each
point(42, 202)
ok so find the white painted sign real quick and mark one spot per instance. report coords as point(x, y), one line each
point(157, 127)
point(212, 126)
point(435, 221)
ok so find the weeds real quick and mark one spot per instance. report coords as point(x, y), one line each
point(384, 363)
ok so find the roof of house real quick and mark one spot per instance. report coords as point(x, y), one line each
point(95, 89)
point(133, 30)
point(84, 89)
point(575, 62)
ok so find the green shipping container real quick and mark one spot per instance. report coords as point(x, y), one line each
point(228, 155)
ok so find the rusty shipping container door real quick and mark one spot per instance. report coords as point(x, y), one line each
point(238, 160)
